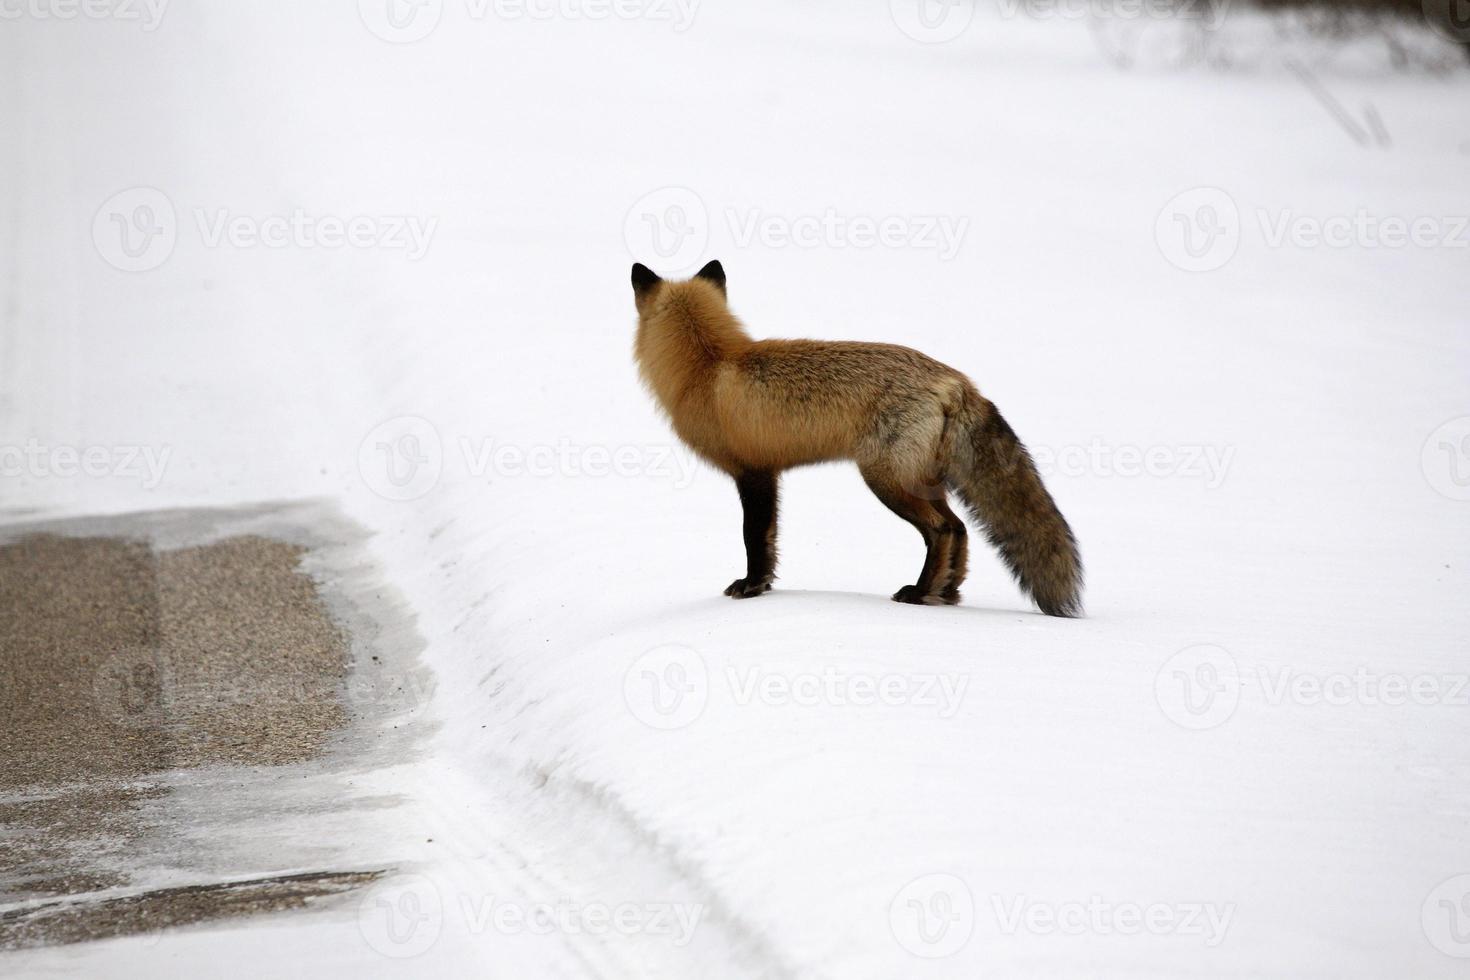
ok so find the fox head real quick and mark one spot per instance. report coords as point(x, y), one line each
point(684, 329)
point(648, 285)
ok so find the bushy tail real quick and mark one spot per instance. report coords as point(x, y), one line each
point(993, 474)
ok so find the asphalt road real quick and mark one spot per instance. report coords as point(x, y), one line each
point(165, 653)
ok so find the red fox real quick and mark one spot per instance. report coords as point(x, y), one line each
point(915, 428)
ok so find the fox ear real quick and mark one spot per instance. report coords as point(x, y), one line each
point(644, 279)
point(713, 272)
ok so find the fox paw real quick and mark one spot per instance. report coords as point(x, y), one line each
point(744, 588)
point(912, 595)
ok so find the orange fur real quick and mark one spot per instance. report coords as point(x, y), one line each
point(913, 425)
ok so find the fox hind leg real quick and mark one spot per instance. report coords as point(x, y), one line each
point(943, 533)
point(958, 555)
point(757, 491)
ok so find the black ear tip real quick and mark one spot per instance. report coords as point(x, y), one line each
point(643, 276)
point(712, 271)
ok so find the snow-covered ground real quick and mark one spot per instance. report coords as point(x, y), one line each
point(1250, 759)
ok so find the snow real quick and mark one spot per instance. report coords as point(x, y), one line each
point(1300, 519)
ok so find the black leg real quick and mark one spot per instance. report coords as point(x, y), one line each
point(758, 499)
point(937, 581)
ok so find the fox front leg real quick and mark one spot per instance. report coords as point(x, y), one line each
point(758, 500)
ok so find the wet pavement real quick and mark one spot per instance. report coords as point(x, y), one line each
point(186, 698)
